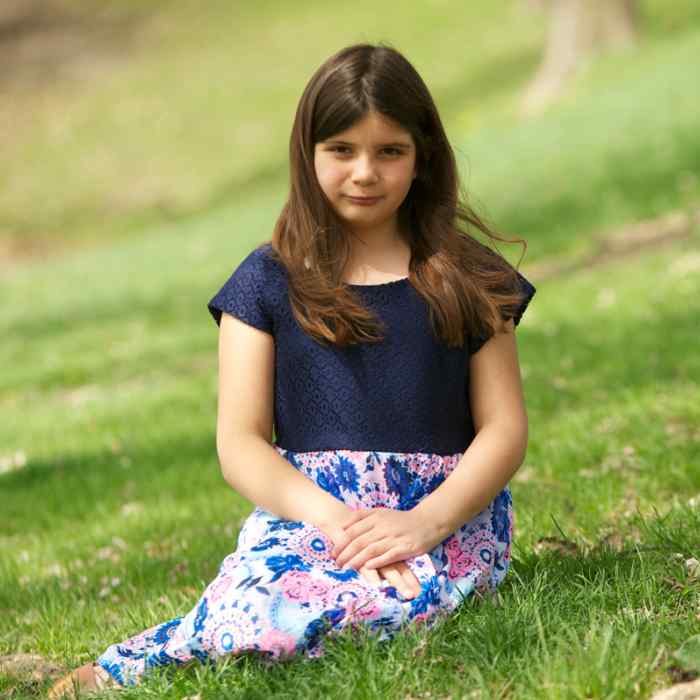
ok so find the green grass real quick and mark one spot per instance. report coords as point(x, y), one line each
point(119, 516)
point(204, 120)
point(129, 490)
point(621, 146)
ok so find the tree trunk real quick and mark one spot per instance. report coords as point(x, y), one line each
point(578, 29)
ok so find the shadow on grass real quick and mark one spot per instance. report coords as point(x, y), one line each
point(605, 358)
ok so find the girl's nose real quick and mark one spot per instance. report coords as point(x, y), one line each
point(364, 171)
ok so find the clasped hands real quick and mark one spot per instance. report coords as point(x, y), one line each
point(381, 536)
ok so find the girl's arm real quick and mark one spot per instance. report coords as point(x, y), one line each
point(500, 444)
point(249, 462)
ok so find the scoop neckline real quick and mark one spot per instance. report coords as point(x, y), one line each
point(378, 284)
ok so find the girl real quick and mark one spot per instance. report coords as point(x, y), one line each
point(377, 336)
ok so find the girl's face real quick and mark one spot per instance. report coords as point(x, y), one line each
point(374, 158)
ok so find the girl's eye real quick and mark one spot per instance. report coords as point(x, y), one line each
point(339, 149)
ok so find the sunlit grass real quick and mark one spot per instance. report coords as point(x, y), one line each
point(115, 515)
point(135, 517)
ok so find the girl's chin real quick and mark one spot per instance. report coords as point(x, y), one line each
point(351, 209)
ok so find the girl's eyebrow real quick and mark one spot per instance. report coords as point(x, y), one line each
point(399, 144)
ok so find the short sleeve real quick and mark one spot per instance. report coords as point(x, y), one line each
point(516, 313)
point(243, 295)
point(528, 290)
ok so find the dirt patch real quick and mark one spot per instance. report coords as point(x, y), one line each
point(628, 240)
point(31, 665)
point(17, 249)
point(45, 40)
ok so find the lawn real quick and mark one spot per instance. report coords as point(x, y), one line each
point(115, 514)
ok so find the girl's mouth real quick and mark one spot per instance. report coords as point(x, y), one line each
point(364, 200)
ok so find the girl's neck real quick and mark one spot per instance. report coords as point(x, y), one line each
point(377, 262)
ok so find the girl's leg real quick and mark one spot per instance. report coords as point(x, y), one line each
point(127, 661)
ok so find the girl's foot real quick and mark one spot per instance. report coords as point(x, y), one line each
point(87, 678)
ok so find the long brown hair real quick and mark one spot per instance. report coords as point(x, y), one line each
point(464, 282)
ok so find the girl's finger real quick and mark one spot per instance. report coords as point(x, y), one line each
point(371, 576)
point(351, 550)
point(393, 575)
point(340, 542)
point(367, 553)
point(409, 577)
point(391, 556)
point(358, 528)
point(355, 543)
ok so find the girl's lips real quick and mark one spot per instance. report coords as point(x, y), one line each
point(363, 200)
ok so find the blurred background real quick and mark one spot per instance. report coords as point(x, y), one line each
point(120, 117)
point(143, 153)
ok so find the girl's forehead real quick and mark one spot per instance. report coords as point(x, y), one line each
point(374, 128)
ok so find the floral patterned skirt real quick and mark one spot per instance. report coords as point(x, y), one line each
point(280, 593)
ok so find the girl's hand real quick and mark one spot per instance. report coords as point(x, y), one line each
point(397, 574)
point(383, 536)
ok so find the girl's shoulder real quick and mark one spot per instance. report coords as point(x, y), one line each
point(252, 291)
point(261, 267)
point(259, 258)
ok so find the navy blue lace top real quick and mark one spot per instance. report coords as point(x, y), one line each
point(408, 393)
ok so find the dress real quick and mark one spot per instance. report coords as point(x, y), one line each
point(375, 425)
